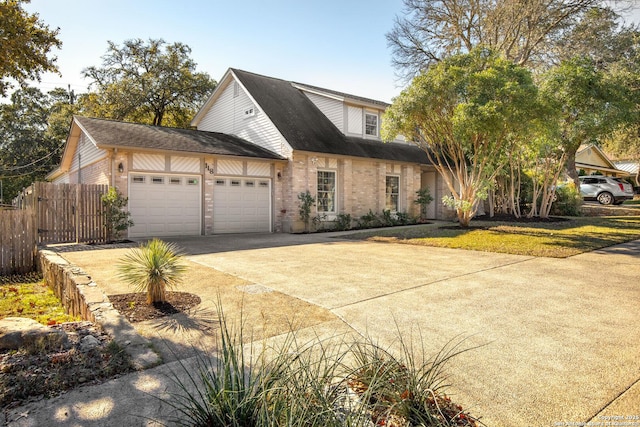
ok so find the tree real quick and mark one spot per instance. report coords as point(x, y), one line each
point(26, 43)
point(27, 151)
point(152, 82)
point(590, 104)
point(524, 31)
point(463, 112)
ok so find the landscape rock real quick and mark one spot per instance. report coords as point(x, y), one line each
point(19, 332)
point(88, 343)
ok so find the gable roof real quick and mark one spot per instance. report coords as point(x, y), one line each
point(114, 134)
point(306, 128)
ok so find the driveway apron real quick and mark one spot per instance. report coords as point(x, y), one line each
point(553, 341)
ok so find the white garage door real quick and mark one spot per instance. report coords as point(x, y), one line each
point(164, 205)
point(241, 205)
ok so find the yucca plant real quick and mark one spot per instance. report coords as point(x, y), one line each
point(153, 268)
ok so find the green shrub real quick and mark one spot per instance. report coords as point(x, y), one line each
point(153, 268)
point(117, 219)
point(568, 201)
point(343, 222)
point(368, 220)
point(306, 201)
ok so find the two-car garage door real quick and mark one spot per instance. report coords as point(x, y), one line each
point(170, 205)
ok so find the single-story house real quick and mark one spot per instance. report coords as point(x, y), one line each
point(591, 160)
point(258, 143)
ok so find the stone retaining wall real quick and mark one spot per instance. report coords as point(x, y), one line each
point(82, 297)
point(79, 295)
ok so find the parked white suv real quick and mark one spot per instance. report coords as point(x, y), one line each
point(605, 189)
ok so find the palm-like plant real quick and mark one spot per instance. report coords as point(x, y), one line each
point(153, 268)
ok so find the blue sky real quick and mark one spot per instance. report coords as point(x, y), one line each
point(337, 44)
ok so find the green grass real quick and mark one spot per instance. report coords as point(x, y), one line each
point(544, 239)
point(34, 300)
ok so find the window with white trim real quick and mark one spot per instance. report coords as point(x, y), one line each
point(371, 124)
point(326, 196)
point(392, 193)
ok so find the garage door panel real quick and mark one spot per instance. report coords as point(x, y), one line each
point(241, 208)
point(168, 207)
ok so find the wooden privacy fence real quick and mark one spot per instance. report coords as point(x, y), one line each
point(18, 237)
point(66, 213)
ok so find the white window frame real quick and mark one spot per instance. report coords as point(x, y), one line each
point(388, 195)
point(320, 205)
point(367, 125)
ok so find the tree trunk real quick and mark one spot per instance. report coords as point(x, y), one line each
point(571, 169)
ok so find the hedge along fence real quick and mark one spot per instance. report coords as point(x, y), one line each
point(18, 241)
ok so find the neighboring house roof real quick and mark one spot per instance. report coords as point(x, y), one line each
point(115, 134)
point(629, 166)
point(306, 128)
point(592, 157)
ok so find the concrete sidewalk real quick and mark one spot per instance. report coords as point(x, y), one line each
point(558, 338)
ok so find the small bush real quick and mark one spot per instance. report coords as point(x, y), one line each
point(117, 219)
point(368, 220)
point(568, 201)
point(343, 222)
point(153, 268)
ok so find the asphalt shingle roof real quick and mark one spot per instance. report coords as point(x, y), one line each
point(112, 133)
point(306, 128)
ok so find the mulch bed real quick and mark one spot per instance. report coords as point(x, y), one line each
point(135, 308)
point(511, 218)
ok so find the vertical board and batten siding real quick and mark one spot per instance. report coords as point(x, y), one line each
point(227, 115)
point(86, 154)
point(18, 239)
point(332, 108)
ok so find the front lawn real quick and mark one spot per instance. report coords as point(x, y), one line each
point(546, 239)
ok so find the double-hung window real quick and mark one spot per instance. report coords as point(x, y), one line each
point(371, 124)
point(326, 197)
point(392, 193)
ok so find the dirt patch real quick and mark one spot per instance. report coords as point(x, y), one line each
point(135, 308)
point(33, 373)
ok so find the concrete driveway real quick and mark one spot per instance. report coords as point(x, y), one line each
point(559, 339)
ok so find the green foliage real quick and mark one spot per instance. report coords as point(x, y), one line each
point(403, 218)
point(116, 218)
point(26, 44)
point(319, 222)
point(153, 268)
point(568, 201)
point(423, 197)
point(34, 300)
point(343, 222)
point(27, 151)
point(152, 82)
point(369, 220)
point(387, 219)
point(306, 202)
point(464, 112)
point(325, 383)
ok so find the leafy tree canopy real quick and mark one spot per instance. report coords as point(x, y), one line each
point(147, 82)
point(25, 44)
point(464, 112)
point(27, 151)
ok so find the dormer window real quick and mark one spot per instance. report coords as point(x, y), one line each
point(371, 124)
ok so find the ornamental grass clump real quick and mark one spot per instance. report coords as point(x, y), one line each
point(153, 268)
point(324, 382)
